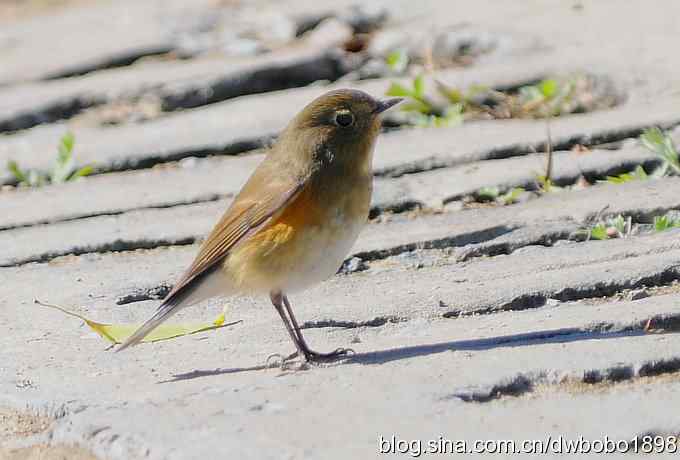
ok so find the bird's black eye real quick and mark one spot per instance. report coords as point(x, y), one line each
point(344, 118)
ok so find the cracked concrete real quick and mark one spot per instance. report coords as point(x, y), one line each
point(214, 129)
point(139, 30)
point(206, 180)
point(551, 217)
point(555, 216)
point(174, 84)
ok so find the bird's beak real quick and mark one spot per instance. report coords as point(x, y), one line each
point(386, 104)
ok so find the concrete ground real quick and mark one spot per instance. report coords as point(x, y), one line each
point(469, 320)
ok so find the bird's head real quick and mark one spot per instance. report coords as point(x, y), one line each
point(338, 127)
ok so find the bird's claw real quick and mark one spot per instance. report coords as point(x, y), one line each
point(313, 356)
point(280, 361)
point(310, 357)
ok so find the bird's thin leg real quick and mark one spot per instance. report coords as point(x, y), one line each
point(296, 327)
point(277, 301)
point(308, 353)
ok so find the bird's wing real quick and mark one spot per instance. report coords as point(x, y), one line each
point(242, 218)
point(262, 198)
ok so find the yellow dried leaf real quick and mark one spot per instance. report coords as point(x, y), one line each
point(117, 333)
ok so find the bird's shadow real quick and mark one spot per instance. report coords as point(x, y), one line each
point(564, 335)
point(210, 372)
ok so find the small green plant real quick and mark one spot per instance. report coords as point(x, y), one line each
point(511, 196)
point(421, 109)
point(549, 97)
point(638, 174)
point(468, 100)
point(662, 145)
point(417, 101)
point(486, 194)
point(63, 170)
point(666, 222)
point(546, 185)
point(397, 60)
point(599, 232)
point(616, 227)
point(543, 91)
point(544, 99)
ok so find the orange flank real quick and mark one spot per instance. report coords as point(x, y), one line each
point(274, 250)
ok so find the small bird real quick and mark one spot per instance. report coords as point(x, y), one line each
point(296, 218)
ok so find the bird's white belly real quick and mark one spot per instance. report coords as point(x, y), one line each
point(325, 252)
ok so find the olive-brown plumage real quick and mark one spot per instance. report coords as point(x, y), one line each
point(294, 221)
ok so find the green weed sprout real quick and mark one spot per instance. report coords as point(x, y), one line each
point(63, 170)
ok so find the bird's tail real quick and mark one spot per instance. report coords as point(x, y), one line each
point(209, 285)
point(164, 312)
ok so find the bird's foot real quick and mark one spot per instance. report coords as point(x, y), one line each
point(282, 362)
point(310, 357)
point(316, 357)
